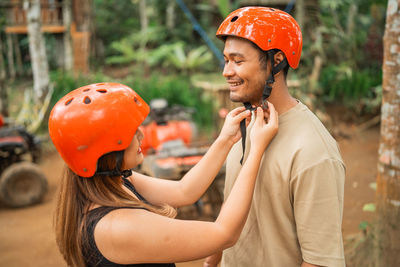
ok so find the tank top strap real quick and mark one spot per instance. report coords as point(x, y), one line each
point(132, 188)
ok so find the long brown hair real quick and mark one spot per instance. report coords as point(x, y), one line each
point(76, 196)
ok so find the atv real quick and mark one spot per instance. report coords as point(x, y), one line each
point(170, 152)
point(22, 182)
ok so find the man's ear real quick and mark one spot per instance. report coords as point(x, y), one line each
point(279, 57)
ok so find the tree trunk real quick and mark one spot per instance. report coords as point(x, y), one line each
point(68, 53)
point(37, 50)
point(10, 57)
point(144, 21)
point(388, 180)
point(300, 10)
point(170, 14)
point(3, 89)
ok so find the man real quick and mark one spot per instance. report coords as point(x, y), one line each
point(296, 213)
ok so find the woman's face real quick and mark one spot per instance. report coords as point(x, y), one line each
point(133, 154)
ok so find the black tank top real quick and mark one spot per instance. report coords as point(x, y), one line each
point(91, 253)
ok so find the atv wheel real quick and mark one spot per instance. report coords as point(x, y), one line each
point(22, 184)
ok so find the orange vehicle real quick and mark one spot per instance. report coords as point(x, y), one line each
point(166, 124)
point(169, 152)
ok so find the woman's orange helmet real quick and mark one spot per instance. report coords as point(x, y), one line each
point(94, 120)
point(268, 28)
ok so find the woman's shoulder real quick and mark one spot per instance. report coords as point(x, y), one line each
point(122, 230)
point(114, 216)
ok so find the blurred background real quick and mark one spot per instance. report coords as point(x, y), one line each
point(166, 50)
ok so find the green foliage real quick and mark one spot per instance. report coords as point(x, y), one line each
point(363, 225)
point(370, 207)
point(65, 82)
point(342, 82)
point(360, 90)
point(137, 49)
point(349, 40)
point(372, 185)
point(176, 90)
point(225, 6)
point(113, 21)
point(134, 48)
point(196, 58)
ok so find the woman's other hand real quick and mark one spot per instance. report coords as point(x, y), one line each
point(262, 132)
point(231, 129)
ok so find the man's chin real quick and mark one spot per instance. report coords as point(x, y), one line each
point(235, 98)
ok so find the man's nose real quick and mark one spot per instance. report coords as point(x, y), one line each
point(228, 70)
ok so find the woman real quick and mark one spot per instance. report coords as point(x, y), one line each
point(108, 215)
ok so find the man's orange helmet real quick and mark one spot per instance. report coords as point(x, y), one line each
point(268, 28)
point(94, 120)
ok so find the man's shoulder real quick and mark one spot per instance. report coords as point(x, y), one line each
point(304, 140)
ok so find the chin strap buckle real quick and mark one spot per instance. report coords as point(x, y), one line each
point(264, 104)
point(126, 173)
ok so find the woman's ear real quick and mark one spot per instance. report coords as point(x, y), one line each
point(279, 57)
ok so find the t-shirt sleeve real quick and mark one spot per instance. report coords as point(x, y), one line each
point(317, 194)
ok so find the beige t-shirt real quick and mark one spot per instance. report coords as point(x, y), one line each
point(297, 207)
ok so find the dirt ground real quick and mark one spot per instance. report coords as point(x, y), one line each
point(27, 237)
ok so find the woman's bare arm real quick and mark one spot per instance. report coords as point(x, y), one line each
point(195, 182)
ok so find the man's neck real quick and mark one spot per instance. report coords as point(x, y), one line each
point(282, 103)
point(281, 98)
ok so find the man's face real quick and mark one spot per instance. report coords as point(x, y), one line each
point(243, 71)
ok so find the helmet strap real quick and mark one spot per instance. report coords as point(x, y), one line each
point(266, 93)
point(117, 171)
point(274, 70)
point(248, 106)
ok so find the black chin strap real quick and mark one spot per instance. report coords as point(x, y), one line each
point(248, 106)
point(266, 93)
point(117, 171)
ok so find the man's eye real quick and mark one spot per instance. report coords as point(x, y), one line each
point(238, 61)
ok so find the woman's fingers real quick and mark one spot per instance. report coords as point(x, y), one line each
point(273, 115)
point(259, 115)
point(241, 115)
point(236, 111)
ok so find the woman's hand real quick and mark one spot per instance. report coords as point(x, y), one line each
point(262, 133)
point(231, 129)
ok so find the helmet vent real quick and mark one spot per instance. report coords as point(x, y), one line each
point(235, 18)
point(103, 91)
point(137, 101)
point(87, 100)
point(272, 9)
point(87, 89)
point(69, 102)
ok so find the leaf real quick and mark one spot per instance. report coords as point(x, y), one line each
point(370, 207)
point(373, 185)
point(363, 225)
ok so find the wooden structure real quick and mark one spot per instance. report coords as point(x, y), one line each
point(53, 22)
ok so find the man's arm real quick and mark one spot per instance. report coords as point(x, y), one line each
point(318, 206)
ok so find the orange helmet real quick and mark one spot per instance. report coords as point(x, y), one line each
point(94, 120)
point(268, 28)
